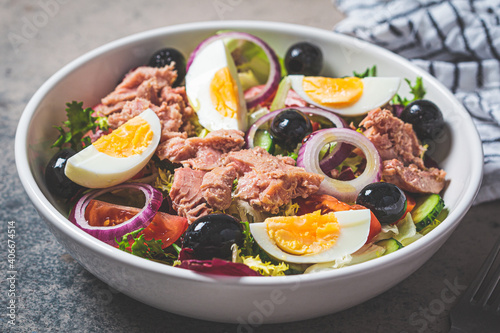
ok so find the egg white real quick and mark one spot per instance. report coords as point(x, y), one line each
point(201, 72)
point(377, 91)
point(354, 230)
point(93, 169)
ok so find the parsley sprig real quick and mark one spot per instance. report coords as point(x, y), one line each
point(80, 122)
point(417, 90)
point(369, 72)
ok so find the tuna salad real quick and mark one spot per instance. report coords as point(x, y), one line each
point(241, 161)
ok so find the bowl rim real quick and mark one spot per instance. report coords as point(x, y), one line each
point(45, 208)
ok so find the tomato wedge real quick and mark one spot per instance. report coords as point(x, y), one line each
point(165, 227)
point(375, 226)
point(327, 203)
point(410, 203)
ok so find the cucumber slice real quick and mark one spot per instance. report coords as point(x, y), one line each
point(280, 97)
point(390, 245)
point(426, 210)
point(263, 139)
point(437, 221)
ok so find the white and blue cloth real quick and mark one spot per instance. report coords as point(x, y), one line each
point(458, 42)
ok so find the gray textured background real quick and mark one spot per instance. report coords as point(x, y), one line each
point(54, 293)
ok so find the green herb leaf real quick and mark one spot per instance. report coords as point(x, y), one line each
point(418, 91)
point(148, 249)
point(248, 241)
point(79, 122)
point(369, 72)
point(123, 244)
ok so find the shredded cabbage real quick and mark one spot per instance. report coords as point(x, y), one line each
point(404, 231)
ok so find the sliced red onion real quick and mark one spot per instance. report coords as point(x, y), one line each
point(346, 191)
point(274, 65)
point(346, 174)
point(334, 158)
point(397, 109)
point(336, 120)
point(109, 234)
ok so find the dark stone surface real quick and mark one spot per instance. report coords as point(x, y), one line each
point(54, 293)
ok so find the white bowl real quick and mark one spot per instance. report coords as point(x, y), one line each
point(249, 300)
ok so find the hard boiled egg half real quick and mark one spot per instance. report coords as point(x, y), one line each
point(214, 90)
point(349, 96)
point(313, 238)
point(118, 156)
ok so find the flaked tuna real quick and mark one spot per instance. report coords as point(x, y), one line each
point(268, 182)
point(401, 153)
point(412, 178)
point(217, 186)
point(143, 82)
point(201, 153)
point(186, 195)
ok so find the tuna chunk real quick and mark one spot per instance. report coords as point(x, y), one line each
point(268, 182)
point(201, 153)
point(401, 153)
point(393, 137)
point(265, 181)
point(412, 178)
point(177, 101)
point(144, 82)
point(186, 195)
point(217, 187)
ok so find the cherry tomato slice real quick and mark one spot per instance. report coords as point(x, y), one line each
point(165, 227)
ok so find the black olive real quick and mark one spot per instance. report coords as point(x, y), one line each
point(289, 127)
point(55, 178)
point(426, 118)
point(304, 58)
point(385, 200)
point(211, 236)
point(164, 57)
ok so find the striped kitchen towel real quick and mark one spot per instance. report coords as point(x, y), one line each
point(458, 42)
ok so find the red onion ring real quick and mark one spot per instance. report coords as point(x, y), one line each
point(274, 65)
point(334, 158)
point(109, 234)
point(336, 120)
point(346, 191)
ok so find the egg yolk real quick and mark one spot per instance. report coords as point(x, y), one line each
point(306, 234)
point(131, 138)
point(224, 93)
point(333, 92)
